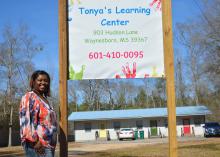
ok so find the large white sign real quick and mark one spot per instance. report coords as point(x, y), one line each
point(115, 39)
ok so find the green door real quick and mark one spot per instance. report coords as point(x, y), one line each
point(153, 127)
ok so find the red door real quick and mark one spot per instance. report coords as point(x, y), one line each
point(186, 126)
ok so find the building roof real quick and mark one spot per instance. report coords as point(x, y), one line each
point(137, 113)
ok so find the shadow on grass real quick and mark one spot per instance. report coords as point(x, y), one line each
point(203, 146)
point(11, 154)
point(78, 153)
point(109, 154)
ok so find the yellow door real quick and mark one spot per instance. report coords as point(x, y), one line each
point(102, 132)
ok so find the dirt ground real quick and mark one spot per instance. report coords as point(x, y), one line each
point(81, 148)
point(115, 144)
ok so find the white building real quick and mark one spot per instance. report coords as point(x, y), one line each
point(84, 126)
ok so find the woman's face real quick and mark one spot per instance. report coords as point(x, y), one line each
point(41, 84)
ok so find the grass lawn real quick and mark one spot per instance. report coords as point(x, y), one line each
point(206, 148)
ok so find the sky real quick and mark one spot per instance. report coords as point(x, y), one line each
point(41, 16)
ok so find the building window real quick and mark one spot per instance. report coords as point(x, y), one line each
point(88, 127)
point(165, 123)
point(139, 124)
point(116, 125)
point(198, 121)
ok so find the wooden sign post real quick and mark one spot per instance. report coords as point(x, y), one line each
point(169, 73)
point(63, 51)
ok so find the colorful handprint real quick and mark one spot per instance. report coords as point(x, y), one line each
point(156, 2)
point(76, 75)
point(127, 72)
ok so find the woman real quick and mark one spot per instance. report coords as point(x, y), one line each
point(38, 123)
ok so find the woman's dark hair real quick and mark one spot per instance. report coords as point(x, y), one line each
point(35, 75)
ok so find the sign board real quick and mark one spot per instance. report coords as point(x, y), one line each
point(115, 39)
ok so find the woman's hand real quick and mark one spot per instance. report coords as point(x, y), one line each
point(39, 148)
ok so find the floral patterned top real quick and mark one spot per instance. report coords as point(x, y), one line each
point(37, 120)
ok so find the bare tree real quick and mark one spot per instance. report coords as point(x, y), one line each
point(180, 83)
point(92, 91)
point(73, 96)
point(125, 93)
point(211, 24)
point(201, 38)
point(13, 52)
point(149, 84)
point(110, 88)
point(87, 88)
point(190, 37)
point(29, 49)
point(158, 93)
point(147, 90)
point(141, 98)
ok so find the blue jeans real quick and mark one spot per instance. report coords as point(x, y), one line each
point(30, 152)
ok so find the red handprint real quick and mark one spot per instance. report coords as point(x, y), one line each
point(158, 2)
point(117, 76)
point(127, 72)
